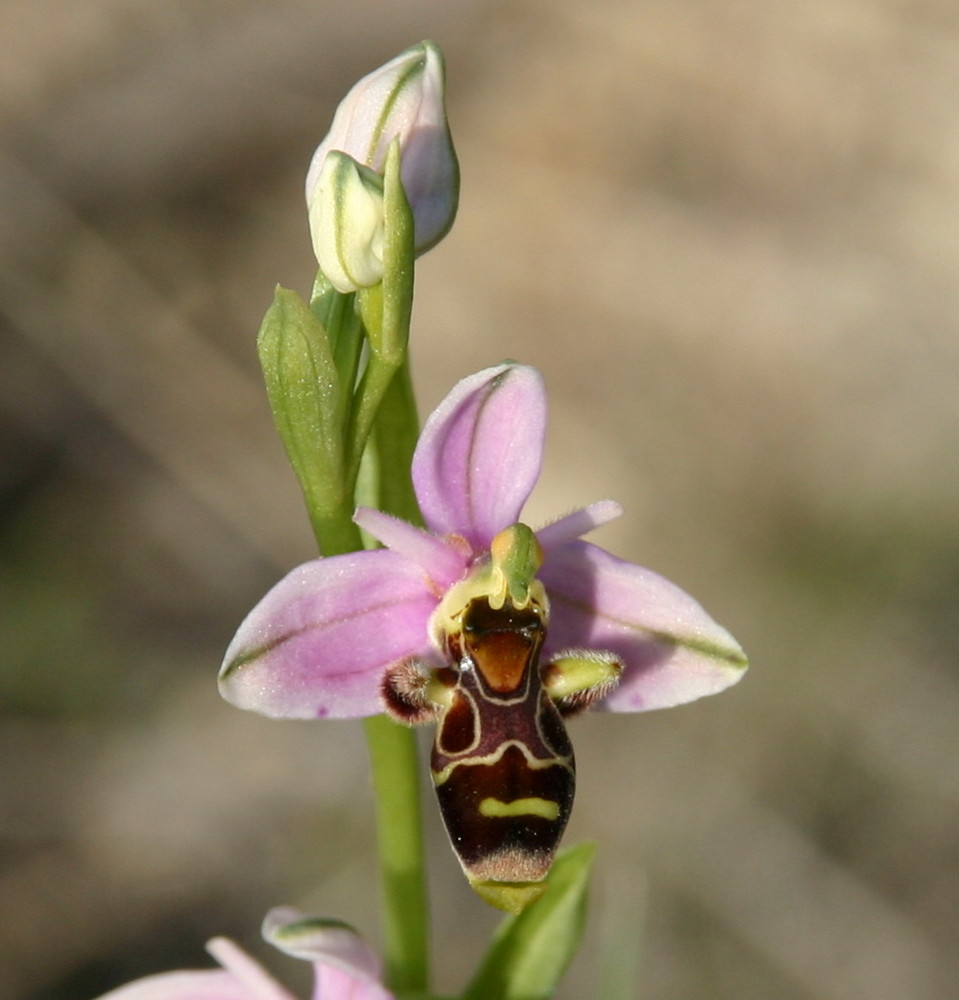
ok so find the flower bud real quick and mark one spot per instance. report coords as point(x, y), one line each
point(346, 223)
point(401, 100)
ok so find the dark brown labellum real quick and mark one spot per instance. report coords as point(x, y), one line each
point(502, 762)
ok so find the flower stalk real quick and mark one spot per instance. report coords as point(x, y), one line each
point(395, 764)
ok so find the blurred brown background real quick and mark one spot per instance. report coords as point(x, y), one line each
point(728, 233)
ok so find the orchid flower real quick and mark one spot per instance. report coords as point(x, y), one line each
point(318, 645)
point(345, 967)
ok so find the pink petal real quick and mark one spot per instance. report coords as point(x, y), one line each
point(241, 978)
point(480, 452)
point(257, 982)
point(439, 561)
point(346, 968)
point(321, 941)
point(209, 984)
point(580, 522)
point(335, 984)
point(672, 650)
point(317, 644)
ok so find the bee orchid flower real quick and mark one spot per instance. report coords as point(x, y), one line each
point(493, 631)
point(345, 968)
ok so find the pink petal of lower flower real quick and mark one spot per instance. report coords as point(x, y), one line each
point(317, 644)
point(673, 652)
point(480, 452)
point(258, 982)
point(346, 968)
point(207, 984)
point(321, 941)
point(335, 984)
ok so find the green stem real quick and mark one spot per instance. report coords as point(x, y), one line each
point(395, 766)
point(393, 752)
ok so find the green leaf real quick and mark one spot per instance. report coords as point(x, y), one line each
point(531, 951)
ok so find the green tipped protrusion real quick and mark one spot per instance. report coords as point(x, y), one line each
point(515, 559)
point(533, 949)
point(580, 678)
point(511, 897)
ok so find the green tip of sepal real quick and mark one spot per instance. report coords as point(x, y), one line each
point(512, 897)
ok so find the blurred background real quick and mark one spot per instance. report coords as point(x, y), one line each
point(727, 231)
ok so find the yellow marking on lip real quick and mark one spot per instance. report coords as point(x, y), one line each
point(536, 763)
point(520, 807)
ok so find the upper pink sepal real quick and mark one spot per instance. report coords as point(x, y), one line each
point(480, 452)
